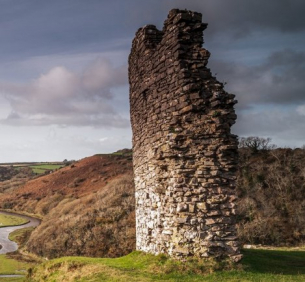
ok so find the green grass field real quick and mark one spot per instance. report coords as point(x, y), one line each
point(42, 168)
point(257, 266)
point(11, 266)
point(38, 168)
point(10, 220)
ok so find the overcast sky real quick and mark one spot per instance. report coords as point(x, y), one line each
point(64, 82)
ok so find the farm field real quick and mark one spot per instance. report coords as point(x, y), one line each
point(36, 168)
point(43, 168)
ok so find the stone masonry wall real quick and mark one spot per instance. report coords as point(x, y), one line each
point(183, 152)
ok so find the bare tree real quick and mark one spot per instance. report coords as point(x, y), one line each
point(256, 144)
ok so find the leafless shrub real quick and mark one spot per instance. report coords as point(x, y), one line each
point(271, 190)
point(255, 144)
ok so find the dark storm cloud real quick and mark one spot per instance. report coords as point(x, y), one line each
point(271, 100)
point(277, 80)
point(272, 31)
point(36, 27)
point(240, 17)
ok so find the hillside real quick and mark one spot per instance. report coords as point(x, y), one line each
point(15, 175)
point(271, 190)
point(12, 178)
point(7, 173)
point(77, 180)
point(87, 208)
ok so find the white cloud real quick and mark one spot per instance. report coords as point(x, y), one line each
point(64, 97)
point(103, 139)
point(301, 110)
point(101, 75)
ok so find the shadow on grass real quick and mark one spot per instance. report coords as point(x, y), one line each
point(274, 261)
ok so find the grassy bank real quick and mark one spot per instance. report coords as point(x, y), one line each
point(10, 220)
point(258, 265)
point(15, 263)
point(12, 266)
point(20, 236)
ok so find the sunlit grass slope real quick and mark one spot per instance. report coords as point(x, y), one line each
point(257, 265)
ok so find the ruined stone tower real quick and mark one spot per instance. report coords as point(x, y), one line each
point(184, 155)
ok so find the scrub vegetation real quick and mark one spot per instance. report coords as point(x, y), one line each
point(15, 175)
point(21, 236)
point(100, 224)
point(271, 190)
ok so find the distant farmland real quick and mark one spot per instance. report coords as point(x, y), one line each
point(43, 168)
point(37, 168)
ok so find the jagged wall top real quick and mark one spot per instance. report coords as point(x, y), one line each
point(151, 36)
point(153, 39)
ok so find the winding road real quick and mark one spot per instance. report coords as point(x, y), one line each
point(8, 245)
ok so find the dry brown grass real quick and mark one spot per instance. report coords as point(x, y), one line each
point(271, 188)
point(99, 224)
point(94, 216)
point(82, 178)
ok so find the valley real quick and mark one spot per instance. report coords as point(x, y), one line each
point(87, 210)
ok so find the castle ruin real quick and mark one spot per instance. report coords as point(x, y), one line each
point(184, 155)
